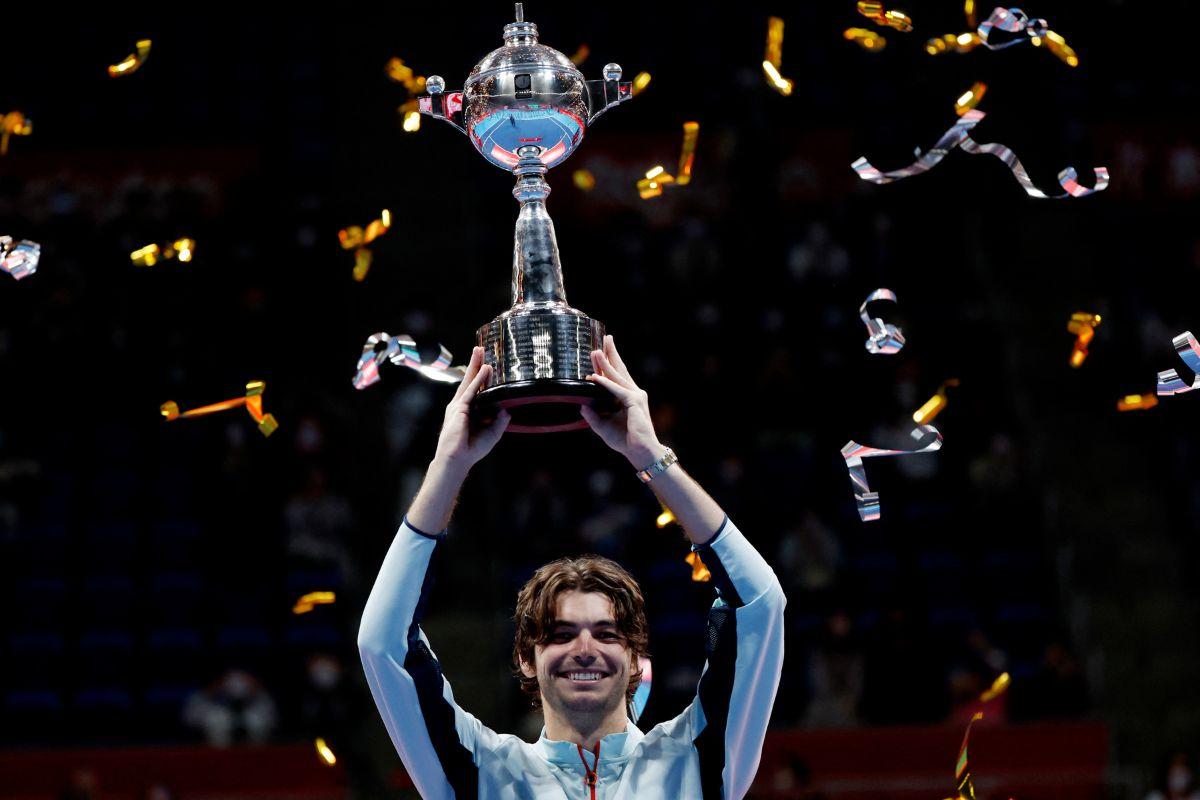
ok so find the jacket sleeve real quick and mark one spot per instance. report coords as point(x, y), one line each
point(727, 722)
point(436, 740)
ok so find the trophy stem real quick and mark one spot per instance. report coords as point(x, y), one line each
point(537, 272)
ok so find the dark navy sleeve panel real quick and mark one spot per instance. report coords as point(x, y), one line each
point(739, 572)
point(435, 536)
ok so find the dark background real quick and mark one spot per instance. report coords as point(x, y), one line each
point(1052, 536)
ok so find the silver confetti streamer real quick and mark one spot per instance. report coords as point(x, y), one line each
point(958, 136)
point(854, 453)
point(19, 259)
point(1010, 20)
point(882, 337)
point(402, 351)
point(1188, 349)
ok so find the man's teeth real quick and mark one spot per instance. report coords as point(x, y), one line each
point(584, 676)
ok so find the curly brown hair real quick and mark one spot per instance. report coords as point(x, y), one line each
point(537, 604)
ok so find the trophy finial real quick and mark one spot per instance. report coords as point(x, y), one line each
point(435, 84)
point(612, 71)
point(520, 7)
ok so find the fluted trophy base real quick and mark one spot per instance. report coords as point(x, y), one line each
point(540, 354)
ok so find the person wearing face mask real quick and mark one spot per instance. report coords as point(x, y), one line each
point(1177, 781)
point(580, 638)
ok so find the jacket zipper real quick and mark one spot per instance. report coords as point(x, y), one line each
point(590, 778)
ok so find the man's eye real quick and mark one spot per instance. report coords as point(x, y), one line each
point(609, 635)
point(560, 637)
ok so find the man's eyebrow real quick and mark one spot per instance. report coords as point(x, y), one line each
point(562, 623)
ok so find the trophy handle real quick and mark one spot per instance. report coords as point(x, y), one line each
point(603, 95)
point(440, 104)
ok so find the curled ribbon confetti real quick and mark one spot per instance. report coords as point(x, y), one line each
point(962, 768)
point(1014, 20)
point(1009, 20)
point(773, 57)
point(665, 518)
point(324, 751)
point(1083, 325)
point(14, 123)
point(252, 401)
point(1137, 402)
point(934, 405)
point(402, 351)
point(700, 573)
point(640, 82)
point(410, 110)
point(132, 62)
point(875, 12)
point(854, 453)
point(584, 180)
point(958, 136)
point(642, 693)
point(882, 338)
point(313, 599)
point(998, 687)
point(356, 239)
point(865, 38)
point(970, 98)
point(657, 177)
point(19, 258)
point(148, 256)
point(1188, 349)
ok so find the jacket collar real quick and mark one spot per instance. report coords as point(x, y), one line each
point(615, 747)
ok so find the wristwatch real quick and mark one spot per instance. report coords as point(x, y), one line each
point(658, 467)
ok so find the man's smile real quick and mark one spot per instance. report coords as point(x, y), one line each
point(583, 676)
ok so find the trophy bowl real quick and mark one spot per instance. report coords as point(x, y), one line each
point(525, 108)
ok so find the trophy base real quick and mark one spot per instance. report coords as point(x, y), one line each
point(542, 406)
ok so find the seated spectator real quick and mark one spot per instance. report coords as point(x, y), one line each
point(233, 709)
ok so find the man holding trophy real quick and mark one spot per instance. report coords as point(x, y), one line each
point(581, 627)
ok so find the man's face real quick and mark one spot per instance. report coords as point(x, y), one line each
point(585, 667)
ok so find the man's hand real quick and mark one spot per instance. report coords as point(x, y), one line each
point(630, 431)
point(459, 448)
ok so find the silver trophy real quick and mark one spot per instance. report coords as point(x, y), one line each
point(525, 107)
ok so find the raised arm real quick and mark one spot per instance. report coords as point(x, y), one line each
point(436, 740)
point(727, 722)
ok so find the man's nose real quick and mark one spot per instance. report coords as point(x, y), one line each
point(583, 649)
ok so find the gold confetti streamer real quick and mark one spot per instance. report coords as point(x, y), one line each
point(962, 768)
point(700, 573)
point(584, 180)
point(14, 123)
point(665, 518)
point(1058, 46)
point(325, 752)
point(969, 13)
point(640, 82)
point(581, 55)
point(399, 72)
point(1137, 402)
point(657, 176)
point(356, 239)
point(998, 687)
point(313, 599)
point(865, 38)
point(252, 402)
point(773, 57)
point(132, 62)
point(411, 113)
point(1083, 325)
point(970, 98)
point(934, 405)
point(181, 250)
point(875, 12)
point(959, 43)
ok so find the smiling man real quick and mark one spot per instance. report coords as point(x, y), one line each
point(580, 634)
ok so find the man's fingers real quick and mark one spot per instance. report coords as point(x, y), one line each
point(626, 396)
point(610, 370)
point(472, 370)
point(472, 388)
point(610, 350)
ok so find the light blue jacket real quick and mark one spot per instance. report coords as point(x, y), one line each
point(711, 750)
